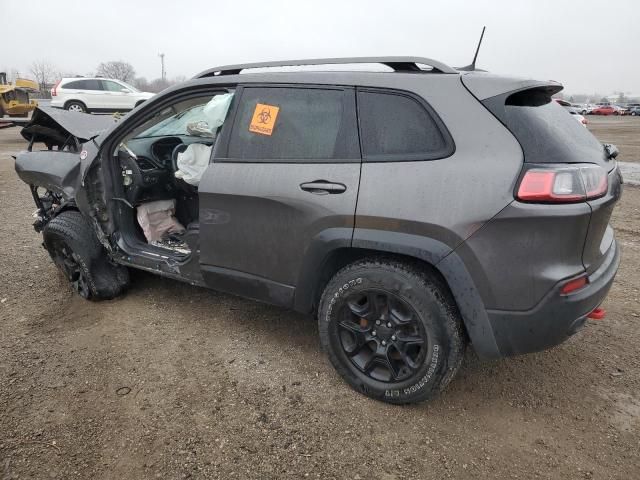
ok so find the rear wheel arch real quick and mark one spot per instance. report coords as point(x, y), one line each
point(442, 264)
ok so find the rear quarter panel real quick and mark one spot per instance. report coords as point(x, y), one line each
point(450, 198)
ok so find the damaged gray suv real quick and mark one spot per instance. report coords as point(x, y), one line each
point(414, 211)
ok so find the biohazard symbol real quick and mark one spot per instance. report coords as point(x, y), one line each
point(264, 119)
point(264, 116)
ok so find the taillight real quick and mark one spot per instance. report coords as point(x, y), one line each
point(563, 184)
point(54, 90)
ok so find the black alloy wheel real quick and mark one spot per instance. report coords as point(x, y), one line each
point(381, 335)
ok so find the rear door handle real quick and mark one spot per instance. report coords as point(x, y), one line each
point(322, 187)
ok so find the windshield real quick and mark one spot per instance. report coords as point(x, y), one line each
point(176, 124)
point(131, 87)
point(200, 116)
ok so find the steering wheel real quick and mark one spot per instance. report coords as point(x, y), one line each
point(181, 147)
point(179, 182)
point(137, 179)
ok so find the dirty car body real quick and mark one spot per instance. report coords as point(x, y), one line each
point(476, 184)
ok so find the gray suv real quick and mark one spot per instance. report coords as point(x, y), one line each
point(414, 211)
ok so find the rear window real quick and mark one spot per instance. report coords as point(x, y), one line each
point(396, 127)
point(293, 124)
point(546, 130)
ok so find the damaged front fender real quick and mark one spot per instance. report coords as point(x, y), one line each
point(56, 171)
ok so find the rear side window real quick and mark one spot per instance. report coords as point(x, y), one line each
point(399, 127)
point(290, 124)
point(79, 84)
point(545, 130)
point(84, 85)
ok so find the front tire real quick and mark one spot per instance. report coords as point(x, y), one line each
point(75, 249)
point(391, 330)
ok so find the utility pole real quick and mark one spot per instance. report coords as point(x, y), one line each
point(164, 74)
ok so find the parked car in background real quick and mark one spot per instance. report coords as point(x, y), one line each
point(587, 109)
point(572, 110)
point(635, 111)
point(580, 118)
point(605, 110)
point(80, 94)
point(622, 110)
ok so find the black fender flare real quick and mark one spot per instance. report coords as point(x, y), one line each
point(434, 252)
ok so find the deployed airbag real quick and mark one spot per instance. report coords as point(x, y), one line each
point(157, 220)
point(193, 162)
point(215, 111)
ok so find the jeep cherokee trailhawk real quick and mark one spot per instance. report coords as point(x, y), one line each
point(413, 210)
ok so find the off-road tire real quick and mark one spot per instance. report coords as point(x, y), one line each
point(71, 103)
point(70, 231)
point(429, 298)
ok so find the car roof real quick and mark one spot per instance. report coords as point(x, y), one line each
point(397, 64)
point(65, 79)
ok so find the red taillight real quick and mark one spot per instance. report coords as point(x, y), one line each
point(54, 90)
point(573, 285)
point(563, 184)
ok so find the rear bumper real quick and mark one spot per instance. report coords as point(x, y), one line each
point(556, 317)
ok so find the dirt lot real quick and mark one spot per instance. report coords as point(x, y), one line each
point(624, 132)
point(172, 381)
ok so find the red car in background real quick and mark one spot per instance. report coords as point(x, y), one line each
point(605, 110)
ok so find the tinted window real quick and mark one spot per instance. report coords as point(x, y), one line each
point(79, 84)
point(543, 128)
point(93, 85)
point(84, 85)
point(398, 127)
point(294, 124)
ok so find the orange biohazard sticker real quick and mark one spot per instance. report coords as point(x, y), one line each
point(264, 119)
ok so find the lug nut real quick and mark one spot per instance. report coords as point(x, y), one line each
point(377, 322)
point(373, 333)
point(389, 324)
point(383, 342)
point(393, 337)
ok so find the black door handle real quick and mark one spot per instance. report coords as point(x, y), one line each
point(322, 187)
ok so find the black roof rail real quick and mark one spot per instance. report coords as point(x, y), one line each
point(398, 64)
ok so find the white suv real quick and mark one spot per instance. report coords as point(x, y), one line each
point(96, 95)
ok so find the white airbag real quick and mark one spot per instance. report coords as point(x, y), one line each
point(193, 162)
point(157, 219)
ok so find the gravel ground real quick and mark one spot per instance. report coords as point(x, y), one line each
point(171, 381)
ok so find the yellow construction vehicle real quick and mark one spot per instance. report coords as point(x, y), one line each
point(14, 98)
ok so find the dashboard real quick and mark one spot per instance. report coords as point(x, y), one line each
point(155, 153)
point(156, 175)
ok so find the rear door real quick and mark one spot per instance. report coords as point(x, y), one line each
point(91, 94)
point(284, 177)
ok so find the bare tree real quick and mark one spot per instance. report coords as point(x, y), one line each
point(117, 69)
point(45, 74)
point(141, 84)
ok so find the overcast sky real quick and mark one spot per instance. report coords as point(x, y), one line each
point(588, 45)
